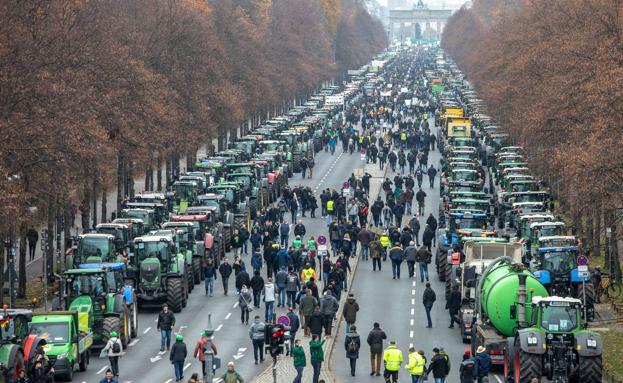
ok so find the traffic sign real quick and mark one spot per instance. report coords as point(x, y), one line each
point(322, 239)
point(283, 320)
point(583, 271)
point(582, 260)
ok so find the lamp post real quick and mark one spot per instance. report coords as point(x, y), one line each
point(10, 252)
point(209, 373)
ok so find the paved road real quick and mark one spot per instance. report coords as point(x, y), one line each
point(397, 306)
point(143, 362)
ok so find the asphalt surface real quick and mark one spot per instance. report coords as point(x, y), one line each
point(397, 306)
point(144, 363)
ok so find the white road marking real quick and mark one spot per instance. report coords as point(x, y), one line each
point(498, 378)
point(156, 320)
point(161, 352)
point(227, 316)
point(412, 301)
point(412, 311)
point(102, 370)
point(155, 359)
point(219, 327)
point(235, 304)
point(411, 321)
point(217, 380)
point(238, 356)
point(411, 334)
point(135, 341)
point(412, 291)
point(413, 283)
point(410, 345)
point(186, 366)
point(169, 381)
point(146, 330)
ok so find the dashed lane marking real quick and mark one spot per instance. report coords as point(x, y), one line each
point(411, 322)
point(413, 292)
point(135, 341)
point(412, 311)
point(186, 366)
point(101, 370)
point(219, 327)
point(146, 330)
point(235, 304)
point(411, 334)
point(412, 301)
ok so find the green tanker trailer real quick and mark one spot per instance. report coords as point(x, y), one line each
point(531, 334)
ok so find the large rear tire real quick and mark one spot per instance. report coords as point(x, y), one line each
point(16, 364)
point(527, 367)
point(590, 370)
point(111, 324)
point(589, 289)
point(442, 261)
point(197, 270)
point(84, 361)
point(134, 317)
point(175, 294)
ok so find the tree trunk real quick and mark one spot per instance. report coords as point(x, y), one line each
point(189, 160)
point(130, 180)
point(159, 173)
point(67, 227)
point(23, 247)
point(120, 183)
point(104, 206)
point(597, 230)
point(588, 239)
point(49, 255)
point(94, 198)
point(85, 210)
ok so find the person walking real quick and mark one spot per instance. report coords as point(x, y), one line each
point(453, 304)
point(415, 365)
point(225, 270)
point(200, 349)
point(33, 237)
point(316, 322)
point(295, 324)
point(393, 359)
point(410, 257)
point(438, 366)
point(177, 356)
point(419, 176)
point(414, 225)
point(432, 223)
point(467, 369)
point(256, 333)
point(242, 279)
point(352, 344)
point(108, 378)
point(298, 354)
point(420, 197)
point(316, 355)
point(396, 255)
point(376, 251)
point(328, 307)
point(432, 172)
point(483, 363)
point(293, 285)
point(257, 285)
point(375, 341)
point(428, 299)
point(165, 323)
point(114, 349)
point(423, 257)
point(209, 274)
point(307, 306)
point(427, 238)
point(244, 301)
point(280, 282)
point(269, 299)
point(350, 310)
point(231, 375)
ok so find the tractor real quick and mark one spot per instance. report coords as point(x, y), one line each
point(17, 347)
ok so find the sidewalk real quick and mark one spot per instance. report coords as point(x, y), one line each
point(285, 366)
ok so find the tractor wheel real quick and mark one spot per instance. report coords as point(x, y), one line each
point(125, 328)
point(448, 276)
point(186, 291)
point(70, 374)
point(527, 366)
point(197, 270)
point(589, 289)
point(190, 279)
point(84, 361)
point(442, 261)
point(16, 364)
point(175, 294)
point(134, 318)
point(253, 207)
point(590, 370)
point(111, 324)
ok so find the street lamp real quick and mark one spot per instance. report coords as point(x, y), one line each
point(10, 252)
point(209, 373)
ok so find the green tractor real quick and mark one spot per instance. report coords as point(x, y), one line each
point(100, 290)
point(17, 347)
point(148, 216)
point(162, 274)
point(93, 248)
point(189, 238)
point(179, 238)
point(124, 243)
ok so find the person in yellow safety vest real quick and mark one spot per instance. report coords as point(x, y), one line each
point(329, 211)
point(385, 242)
point(308, 273)
point(392, 357)
point(416, 364)
point(403, 137)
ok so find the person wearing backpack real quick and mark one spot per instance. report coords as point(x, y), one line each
point(352, 344)
point(467, 370)
point(114, 348)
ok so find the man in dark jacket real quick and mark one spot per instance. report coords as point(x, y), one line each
point(350, 311)
point(453, 304)
point(242, 279)
point(432, 223)
point(178, 356)
point(420, 197)
point(376, 209)
point(375, 341)
point(257, 285)
point(439, 366)
point(166, 321)
point(423, 258)
point(399, 211)
point(295, 324)
point(483, 363)
point(427, 237)
point(225, 270)
point(414, 225)
point(299, 230)
point(428, 298)
point(316, 322)
point(328, 307)
point(396, 255)
point(432, 172)
point(467, 369)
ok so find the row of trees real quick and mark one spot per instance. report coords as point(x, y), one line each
point(551, 73)
point(94, 93)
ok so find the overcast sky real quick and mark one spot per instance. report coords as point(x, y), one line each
point(437, 3)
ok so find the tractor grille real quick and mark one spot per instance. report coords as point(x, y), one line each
point(149, 272)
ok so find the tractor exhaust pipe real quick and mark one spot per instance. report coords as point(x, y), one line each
point(521, 301)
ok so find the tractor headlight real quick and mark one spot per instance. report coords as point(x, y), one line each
point(591, 343)
point(532, 341)
point(62, 356)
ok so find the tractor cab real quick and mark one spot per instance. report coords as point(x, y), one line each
point(136, 225)
point(121, 232)
point(185, 192)
point(146, 215)
point(93, 248)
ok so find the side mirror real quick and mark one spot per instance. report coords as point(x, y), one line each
point(513, 312)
